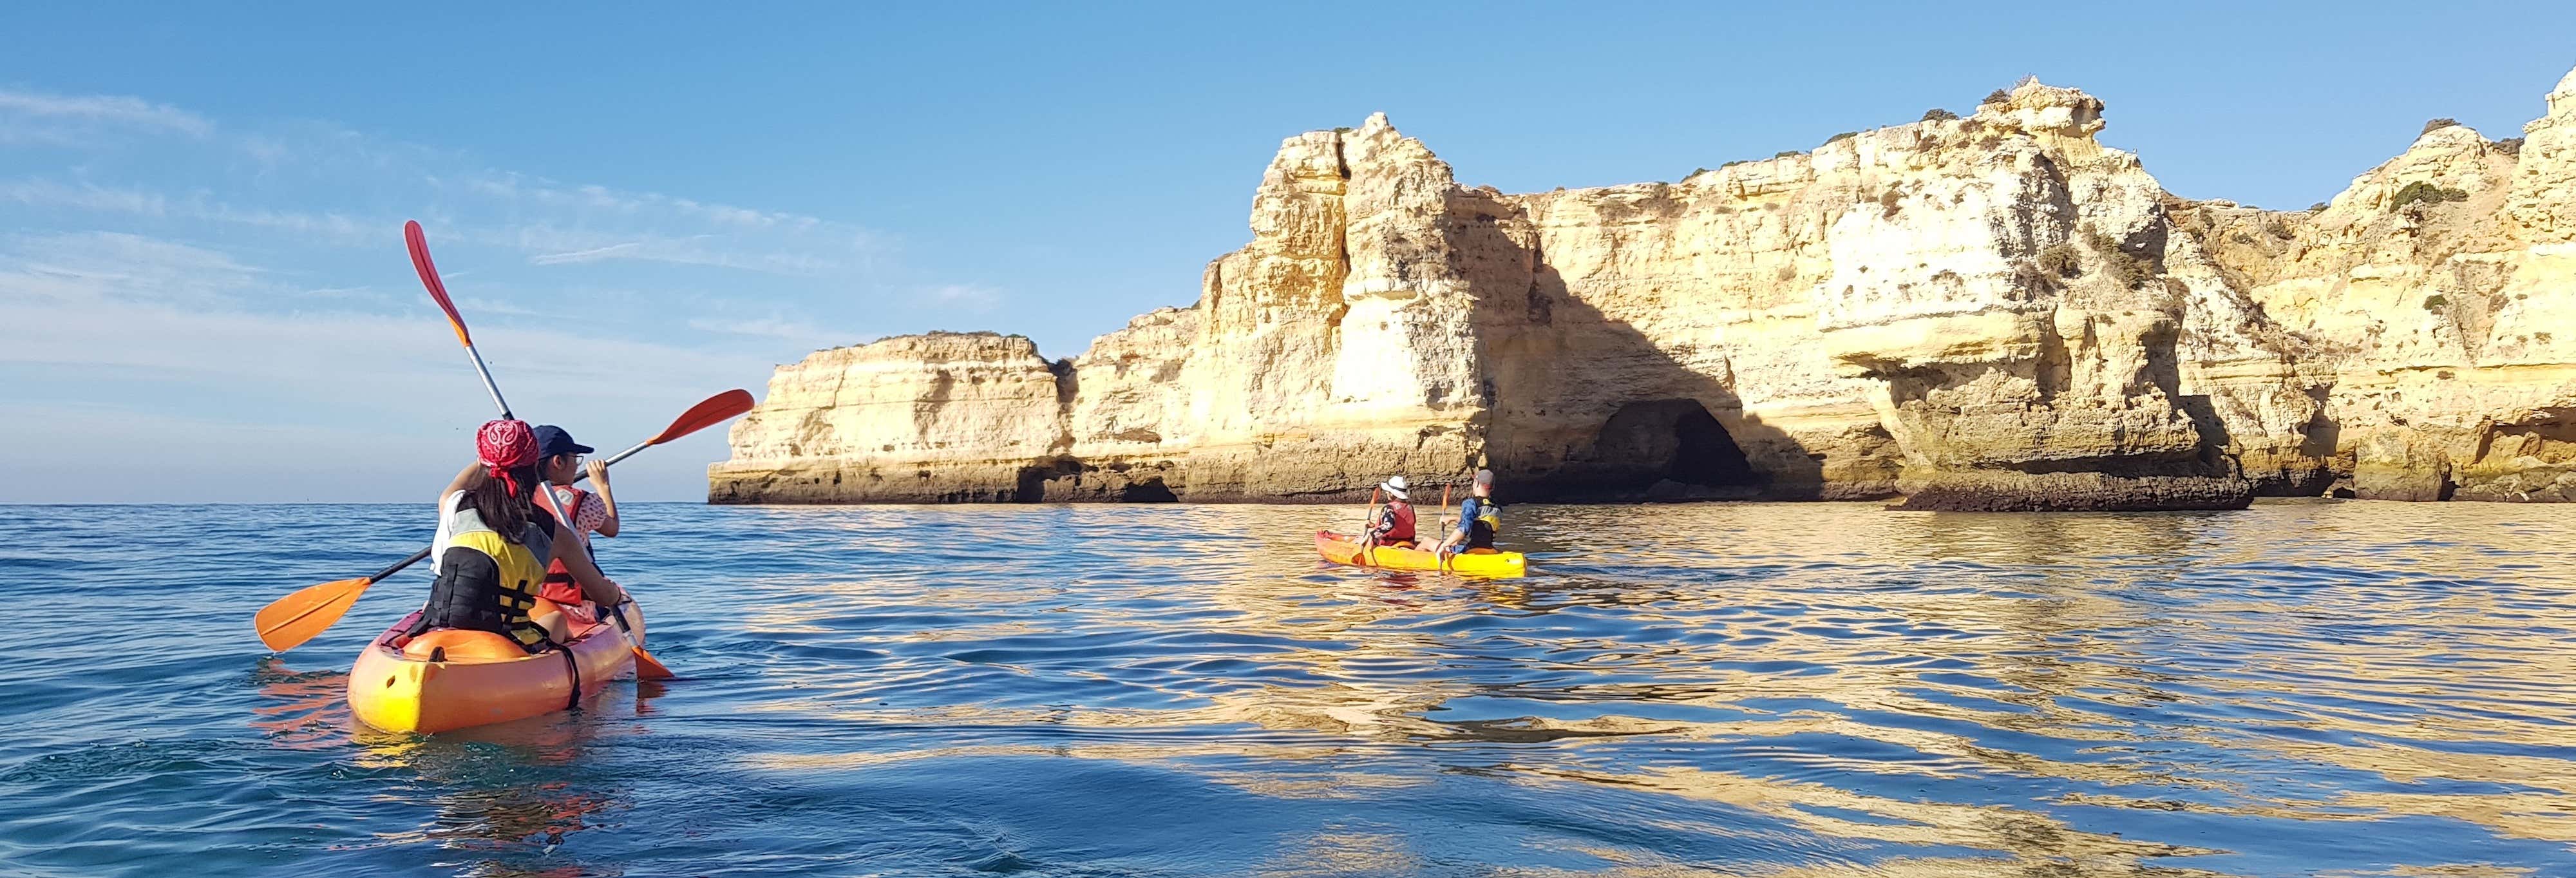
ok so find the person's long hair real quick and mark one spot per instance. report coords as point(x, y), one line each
point(502, 509)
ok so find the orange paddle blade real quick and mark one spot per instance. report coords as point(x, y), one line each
point(418, 243)
point(647, 667)
point(716, 410)
point(289, 621)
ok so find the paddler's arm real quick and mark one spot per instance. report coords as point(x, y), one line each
point(595, 586)
point(463, 478)
point(1456, 534)
point(608, 501)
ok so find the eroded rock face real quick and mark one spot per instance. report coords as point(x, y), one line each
point(2432, 300)
point(1994, 312)
point(939, 418)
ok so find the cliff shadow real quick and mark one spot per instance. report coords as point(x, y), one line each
point(1584, 407)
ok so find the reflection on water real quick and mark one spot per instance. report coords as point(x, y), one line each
point(1788, 689)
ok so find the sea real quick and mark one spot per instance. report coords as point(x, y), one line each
point(2334, 688)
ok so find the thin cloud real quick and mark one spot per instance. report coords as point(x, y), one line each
point(965, 297)
point(557, 246)
point(552, 223)
point(480, 306)
point(102, 109)
point(594, 254)
point(102, 265)
point(774, 326)
point(326, 227)
point(342, 357)
point(49, 193)
point(540, 191)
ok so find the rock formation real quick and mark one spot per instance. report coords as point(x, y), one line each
point(1994, 312)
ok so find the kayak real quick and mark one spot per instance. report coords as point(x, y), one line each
point(479, 677)
point(1345, 549)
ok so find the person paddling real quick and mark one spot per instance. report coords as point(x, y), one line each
point(1478, 519)
point(559, 459)
point(1393, 525)
point(494, 544)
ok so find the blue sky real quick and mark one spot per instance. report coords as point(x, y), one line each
point(203, 295)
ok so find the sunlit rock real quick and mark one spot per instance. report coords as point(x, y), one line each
point(1995, 312)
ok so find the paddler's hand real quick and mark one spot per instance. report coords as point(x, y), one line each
point(598, 470)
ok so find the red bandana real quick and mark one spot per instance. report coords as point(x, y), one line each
point(504, 446)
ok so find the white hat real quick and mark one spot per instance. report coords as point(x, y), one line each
point(1395, 486)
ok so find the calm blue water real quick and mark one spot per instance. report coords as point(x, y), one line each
point(1810, 689)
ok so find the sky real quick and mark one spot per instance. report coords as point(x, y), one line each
point(204, 297)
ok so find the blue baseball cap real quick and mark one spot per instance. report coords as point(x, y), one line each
point(552, 440)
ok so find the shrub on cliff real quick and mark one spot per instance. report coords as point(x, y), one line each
point(2511, 146)
point(1838, 138)
point(2026, 274)
point(1995, 97)
point(2437, 125)
point(2423, 192)
point(1936, 114)
point(2060, 260)
point(2436, 302)
point(2319, 207)
point(2126, 268)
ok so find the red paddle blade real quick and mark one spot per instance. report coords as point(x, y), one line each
point(418, 243)
point(716, 410)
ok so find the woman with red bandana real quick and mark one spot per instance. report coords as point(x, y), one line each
point(494, 543)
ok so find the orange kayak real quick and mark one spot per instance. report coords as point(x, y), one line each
point(1345, 549)
point(480, 677)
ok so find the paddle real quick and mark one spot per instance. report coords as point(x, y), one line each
point(1368, 532)
point(288, 622)
point(646, 667)
point(1440, 525)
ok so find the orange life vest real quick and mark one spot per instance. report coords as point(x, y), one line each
point(560, 587)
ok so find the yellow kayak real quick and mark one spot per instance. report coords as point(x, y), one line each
point(1345, 549)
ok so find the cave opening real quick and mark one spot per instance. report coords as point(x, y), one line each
point(1672, 440)
point(1147, 491)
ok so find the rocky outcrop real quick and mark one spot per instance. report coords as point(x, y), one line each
point(2432, 300)
point(1994, 312)
point(939, 418)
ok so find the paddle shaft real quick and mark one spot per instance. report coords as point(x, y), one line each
point(1440, 526)
point(488, 386)
point(1368, 531)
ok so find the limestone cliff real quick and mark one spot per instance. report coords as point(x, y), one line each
point(1994, 312)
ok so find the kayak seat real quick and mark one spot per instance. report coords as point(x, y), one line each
point(463, 645)
point(1482, 552)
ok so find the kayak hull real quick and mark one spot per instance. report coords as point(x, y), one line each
point(1345, 549)
point(398, 693)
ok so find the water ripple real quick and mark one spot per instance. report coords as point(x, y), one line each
point(1811, 690)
